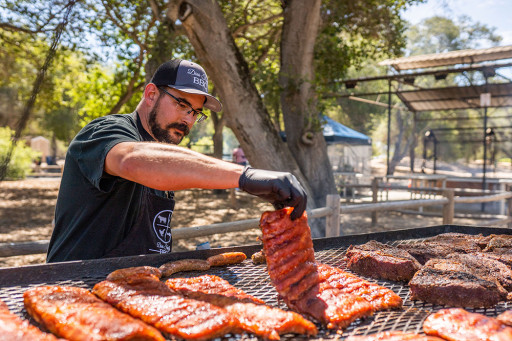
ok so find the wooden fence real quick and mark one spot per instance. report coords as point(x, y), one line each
point(332, 212)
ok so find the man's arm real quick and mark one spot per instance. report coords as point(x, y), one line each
point(169, 168)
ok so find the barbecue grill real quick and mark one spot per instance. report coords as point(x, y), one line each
point(253, 279)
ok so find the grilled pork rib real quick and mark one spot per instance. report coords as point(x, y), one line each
point(253, 315)
point(460, 325)
point(143, 296)
point(76, 314)
point(306, 286)
point(13, 328)
point(378, 260)
point(394, 336)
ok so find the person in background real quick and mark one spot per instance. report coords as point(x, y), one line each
point(116, 195)
point(239, 156)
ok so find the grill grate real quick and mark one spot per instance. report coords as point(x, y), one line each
point(251, 278)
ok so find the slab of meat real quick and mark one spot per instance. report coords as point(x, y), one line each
point(150, 300)
point(13, 328)
point(446, 283)
point(379, 297)
point(499, 242)
point(505, 317)
point(394, 336)
point(304, 285)
point(253, 315)
point(209, 285)
point(460, 325)
point(424, 251)
point(76, 314)
point(459, 238)
point(378, 260)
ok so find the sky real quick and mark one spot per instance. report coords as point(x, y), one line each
point(493, 13)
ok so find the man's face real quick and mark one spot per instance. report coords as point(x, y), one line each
point(167, 122)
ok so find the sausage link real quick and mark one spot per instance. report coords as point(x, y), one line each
point(226, 258)
point(184, 265)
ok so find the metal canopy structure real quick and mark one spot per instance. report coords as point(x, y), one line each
point(465, 97)
point(449, 58)
point(478, 96)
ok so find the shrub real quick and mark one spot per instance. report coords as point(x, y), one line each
point(22, 156)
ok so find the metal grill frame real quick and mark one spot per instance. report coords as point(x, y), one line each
point(253, 279)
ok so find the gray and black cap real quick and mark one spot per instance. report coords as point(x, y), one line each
point(188, 77)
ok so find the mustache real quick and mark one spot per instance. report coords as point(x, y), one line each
point(180, 126)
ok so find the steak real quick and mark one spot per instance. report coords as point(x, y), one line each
point(378, 260)
point(424, 251)
point(459, 324)
point(445, 284)
point(76, 314)
point(505, 317)
point(146, 298)
point(253, 315)
point(13, 328)
point(499, 242)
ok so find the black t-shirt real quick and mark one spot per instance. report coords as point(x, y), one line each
point(95, 210)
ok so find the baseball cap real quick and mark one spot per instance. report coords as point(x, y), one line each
point(188, 77)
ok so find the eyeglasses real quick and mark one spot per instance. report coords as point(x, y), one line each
point(186, 108)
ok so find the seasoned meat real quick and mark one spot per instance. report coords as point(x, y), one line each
point(499, 242)
point(423, 251)
point(253, 315)
point(485, 267)
point(378, 260)
point(76, 314)
point(379, 297)
point(394, 336)
point(202, 286)
point(454, 288)
point(458, 238)
point(501, 255)
point(505, 317)
point(227, 258)
point(458, 324)
point(259, 257)
point(13, 328)
point(329, 295)
point(150, 300)
point(184, 265)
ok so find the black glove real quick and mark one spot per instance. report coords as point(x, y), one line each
point(280, 188)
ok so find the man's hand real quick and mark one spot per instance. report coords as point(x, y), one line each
point(280, 188)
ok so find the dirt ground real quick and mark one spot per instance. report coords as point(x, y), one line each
point(27, 208)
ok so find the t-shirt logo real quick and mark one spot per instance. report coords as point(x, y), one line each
point(162, 226)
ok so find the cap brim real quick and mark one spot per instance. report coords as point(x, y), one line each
point(211, 102)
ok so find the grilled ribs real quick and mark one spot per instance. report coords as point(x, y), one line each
point(306, 286)
point(76, 314)
point(13, 328)
point(394, 336)
point(378, 260)
point(253, 315)
point(143, 296)
point(459, 324)
point(505, 317)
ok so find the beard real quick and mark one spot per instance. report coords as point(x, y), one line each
point(162, 134)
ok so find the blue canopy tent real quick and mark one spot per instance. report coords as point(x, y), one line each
point(335, 132)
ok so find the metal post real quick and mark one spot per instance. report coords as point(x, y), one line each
point(485, 143)
point(389, 126)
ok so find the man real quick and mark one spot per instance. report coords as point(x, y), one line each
point(116, 197)
point(239, 156)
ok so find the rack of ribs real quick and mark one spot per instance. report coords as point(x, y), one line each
point(142, 295)
point(76, 314)
point(254, 316)
point(13, 328)
point(305, 285)
point(458, 324)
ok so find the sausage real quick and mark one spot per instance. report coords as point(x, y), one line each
point(137, 271)
point(226, 258)
point(184, 265)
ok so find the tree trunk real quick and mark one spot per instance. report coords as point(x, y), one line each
point(218, 139)
point(207, 30)
point(298, 98)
